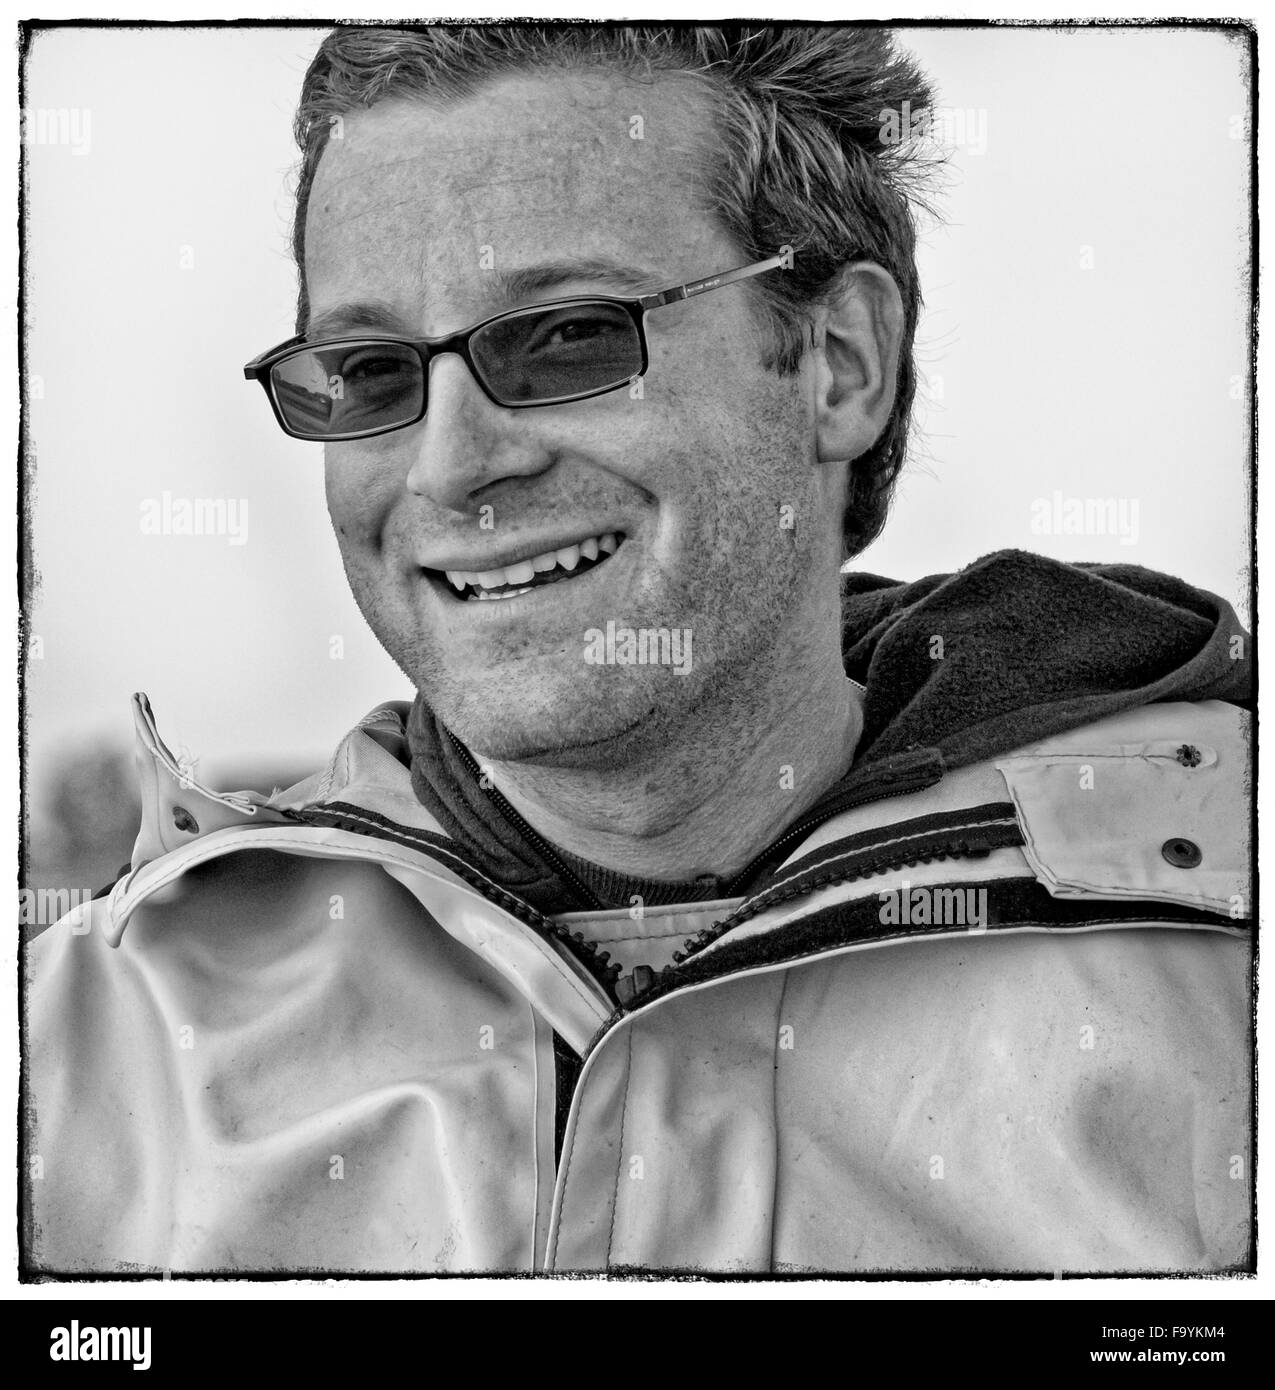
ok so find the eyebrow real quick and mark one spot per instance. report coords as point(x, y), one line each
point(521, 284)
point(373, 314)
point(511, 288)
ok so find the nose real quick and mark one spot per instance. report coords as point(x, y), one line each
point(466, 442)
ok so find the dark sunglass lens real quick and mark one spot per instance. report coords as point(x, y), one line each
point(349, 388)
point(569, 350)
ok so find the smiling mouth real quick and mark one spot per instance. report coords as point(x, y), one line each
point(553, 567)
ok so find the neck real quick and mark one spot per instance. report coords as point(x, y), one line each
point(709, 801)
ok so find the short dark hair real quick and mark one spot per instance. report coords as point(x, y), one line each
point(805, 115)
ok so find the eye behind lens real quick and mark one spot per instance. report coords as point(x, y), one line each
point(350, 388)
point(568, 350)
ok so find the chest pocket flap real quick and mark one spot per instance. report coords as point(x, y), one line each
point(1152, 804)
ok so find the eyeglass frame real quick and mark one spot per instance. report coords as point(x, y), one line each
point(261, 367)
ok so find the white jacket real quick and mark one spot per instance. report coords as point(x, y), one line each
point(302, 1034)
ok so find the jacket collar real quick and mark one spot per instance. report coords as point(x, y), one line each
point(366, 769)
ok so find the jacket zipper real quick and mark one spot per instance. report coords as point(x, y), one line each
point(630, 988)
point(794, 834)
point(623, 990)
point(541, 846)
point(924, 775)
point(759, 901)
point(597, 962)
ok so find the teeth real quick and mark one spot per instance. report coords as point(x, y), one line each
point(495, 598)
point(525, 570)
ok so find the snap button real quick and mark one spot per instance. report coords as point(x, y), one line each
point(1189, 755)
point(1182, 854)
point(183, 820)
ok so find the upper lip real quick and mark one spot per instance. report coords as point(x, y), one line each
point(528, 550)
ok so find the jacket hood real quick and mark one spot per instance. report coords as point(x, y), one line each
point(1016, 647)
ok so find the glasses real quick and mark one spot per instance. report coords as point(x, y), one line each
point(354, 387)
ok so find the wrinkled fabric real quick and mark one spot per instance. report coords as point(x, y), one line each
point(285, 1064)
point(284, 1047)
point(1032, 1103)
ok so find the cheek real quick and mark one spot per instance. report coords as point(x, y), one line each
point(358, 497)
point(757, 466)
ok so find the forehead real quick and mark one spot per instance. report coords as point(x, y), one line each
point(410, 194)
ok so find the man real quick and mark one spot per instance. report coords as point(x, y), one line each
point(707, 910)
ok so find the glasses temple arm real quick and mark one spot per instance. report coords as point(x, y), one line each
point(716, 282)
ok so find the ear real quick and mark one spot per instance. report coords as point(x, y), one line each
point(858, 339)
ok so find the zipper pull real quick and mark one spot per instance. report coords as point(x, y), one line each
point(628, 987)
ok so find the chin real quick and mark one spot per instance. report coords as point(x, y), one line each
point(567, 722)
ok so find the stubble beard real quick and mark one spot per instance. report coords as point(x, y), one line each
point(570, 714)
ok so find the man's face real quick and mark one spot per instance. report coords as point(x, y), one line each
point(425, 213)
